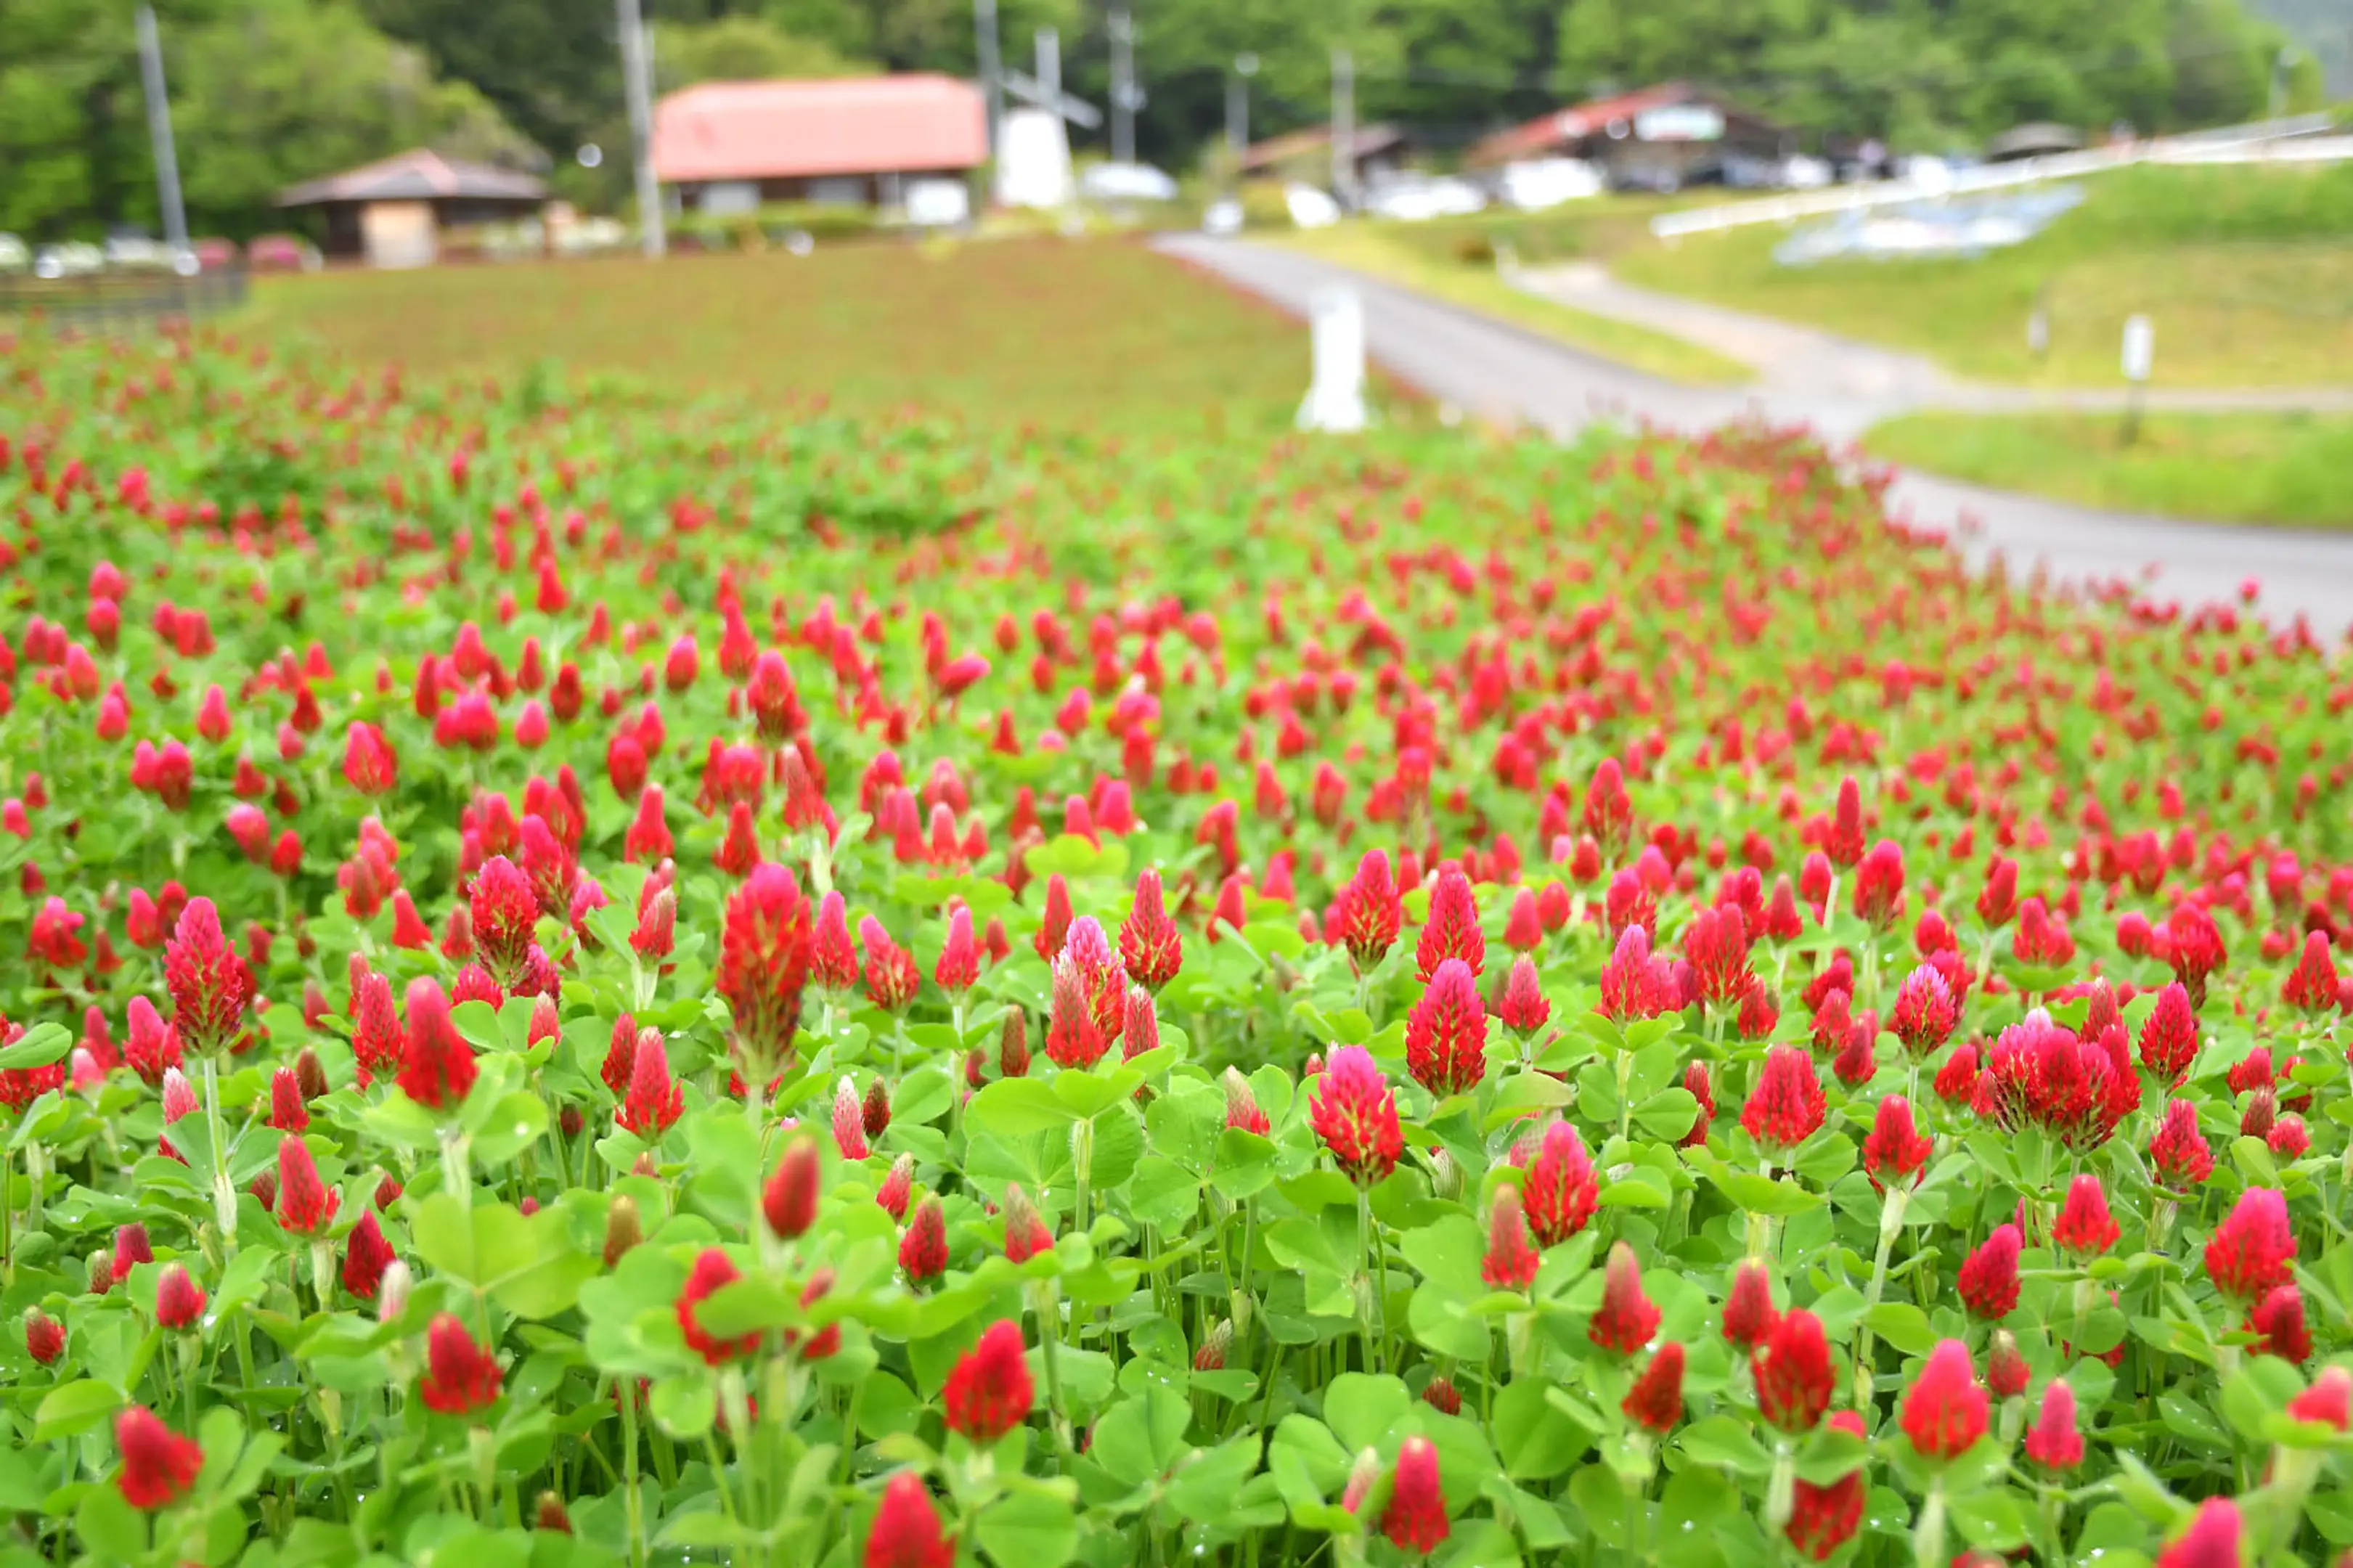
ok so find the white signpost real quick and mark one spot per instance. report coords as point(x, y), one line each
point(1336, 402)
point(2140, 357)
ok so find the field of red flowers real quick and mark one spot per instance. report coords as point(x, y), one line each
point(593, 981)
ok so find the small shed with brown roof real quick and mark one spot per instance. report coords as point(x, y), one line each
point(397, 212)
point(729, 145)
point(1376, 149)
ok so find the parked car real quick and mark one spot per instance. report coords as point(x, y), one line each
point(1414, 198)
point(135, 252)
point(72, 259)
point(282, 252)
point(1540, 183)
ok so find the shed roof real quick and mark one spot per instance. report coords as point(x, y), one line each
point(418, 174)
point(1368, 142)
point(797, 129)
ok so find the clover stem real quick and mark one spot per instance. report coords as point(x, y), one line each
point(1625, 1084)
point(457, 1180)
point(224, 1195)
point(1375, 1342)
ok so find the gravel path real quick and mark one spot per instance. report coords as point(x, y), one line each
point(1501, 373)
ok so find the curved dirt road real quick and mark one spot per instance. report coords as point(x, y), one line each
point(1497, 372)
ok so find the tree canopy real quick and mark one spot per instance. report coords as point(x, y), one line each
point(268, 91)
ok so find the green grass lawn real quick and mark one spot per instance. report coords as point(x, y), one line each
point(1073, 334)
point(2247, 274)
point(1402, 254)
point(2284, 469)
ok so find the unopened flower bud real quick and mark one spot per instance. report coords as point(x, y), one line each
point(310, 1075)
point(551, 1514)
point(392, 1292)
point(621, 1232)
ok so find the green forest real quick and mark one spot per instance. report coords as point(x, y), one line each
point(269, 91)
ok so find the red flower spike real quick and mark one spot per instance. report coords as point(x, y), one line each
point(461, 1376)
point(1241, 1104)
point(711, 1271)
point(850, 1121)
point(305, 1205)
point(898, 1187)
point(789, 1200)
point(2252, 1252)
point(131, 1248)
point(2084, 1227)
point(1452, 929)
point(1370, 911)
point(1522, 1006)
point(1446, 1033)
point(210, 984)
point(1441, 1395)
point(1793, 1375)
point(989, 1391)
point(2278, 1318)
point(764, 953)
point(1027, 1233)
point(1416, 1517)
point(1560, 1190)
point(924, 1250)
point(366, 1255)
point(2168, 1040)
point(1824, 1517)
point(1655, 1403)
point(45, 1337)
point(1925, 1012)
point(893, 977)
point(1628, 1317)
point(2211, 1542)
point(2054, 1441)
point(1788, 1105)
point(436, 1065)
point(1354, 1113)
point(1698, 1085)
point(959, 962)
point(1895, 1152)
point(179, 1300)
point(2006, 1372)
point(159, 1465)
point(2311, 985)
point(2330, 1400)
point(655, 1100)
point(1944, 1410)
point(2178, 1150)
point(1149, 948)
point(1749, 1314)
point(1988, 1277)
point(1511, 1264)
point(906, 1528)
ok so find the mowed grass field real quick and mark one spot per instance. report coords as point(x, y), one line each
point(1088, 334)
point(2289, 469)
point(2245, 272)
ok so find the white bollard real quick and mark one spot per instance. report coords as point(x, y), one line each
point(1337, 399)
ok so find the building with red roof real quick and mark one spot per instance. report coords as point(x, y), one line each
point(728, 146)
point(1658, 137)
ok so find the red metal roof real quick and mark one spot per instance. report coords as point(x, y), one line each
point(420, 174)
point(1562, 126)
point(795, 130)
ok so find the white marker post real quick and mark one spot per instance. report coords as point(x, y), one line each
point(1336, 402)
point(2139, 356)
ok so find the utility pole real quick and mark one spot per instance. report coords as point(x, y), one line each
point(1238, 109)
point(984, 30)
point(1125, 97)
point(637, 68)
point(159, 133)
point(1344, 128)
